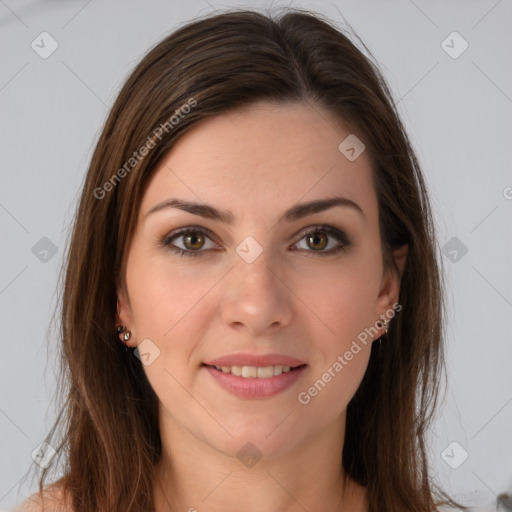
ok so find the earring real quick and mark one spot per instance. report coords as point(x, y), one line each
point(384, 322)
point(121, 329)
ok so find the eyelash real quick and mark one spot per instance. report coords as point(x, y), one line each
point(328, 230)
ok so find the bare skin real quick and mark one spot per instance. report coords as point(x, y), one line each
point(291, 300)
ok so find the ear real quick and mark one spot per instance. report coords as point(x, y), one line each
point(390, 285)
point(399, 258)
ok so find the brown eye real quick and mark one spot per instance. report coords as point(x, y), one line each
point(323, 240)
point(189, 241)
point(317, 241)
point(193, 241)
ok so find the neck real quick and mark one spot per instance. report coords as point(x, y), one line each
point(194, 476)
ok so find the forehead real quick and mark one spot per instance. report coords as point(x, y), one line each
point(261, 158)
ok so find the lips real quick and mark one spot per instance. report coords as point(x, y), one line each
point(249, 376)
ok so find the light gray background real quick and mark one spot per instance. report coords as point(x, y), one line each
point(457, 111)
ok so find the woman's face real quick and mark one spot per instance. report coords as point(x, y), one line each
point(255, 281)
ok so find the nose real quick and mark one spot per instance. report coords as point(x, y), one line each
point(256, 298)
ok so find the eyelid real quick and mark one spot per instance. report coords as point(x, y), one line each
point(186, 229)
point(325, 228)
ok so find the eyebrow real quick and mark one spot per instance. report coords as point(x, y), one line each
point(296, 212)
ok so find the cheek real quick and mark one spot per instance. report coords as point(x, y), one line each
point(172, 306)
point(341, 300)
point(163, 294)
point(329, 392)
point(343, 303)
point(345, 310)
point(342, 346)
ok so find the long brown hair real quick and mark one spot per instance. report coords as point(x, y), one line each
point(109, 437)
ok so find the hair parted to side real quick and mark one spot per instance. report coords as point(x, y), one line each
point(108, 429)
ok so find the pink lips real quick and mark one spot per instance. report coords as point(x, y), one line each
point(254, 388)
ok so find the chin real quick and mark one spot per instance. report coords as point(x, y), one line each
point(260, 439)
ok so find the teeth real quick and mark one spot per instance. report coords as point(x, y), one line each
point(236, 370)
point(264, 372)
point(250, 372)
point(253, 372)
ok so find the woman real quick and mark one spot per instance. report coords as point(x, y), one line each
point(292, 363)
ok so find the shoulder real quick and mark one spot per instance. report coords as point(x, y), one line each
point(53, 500)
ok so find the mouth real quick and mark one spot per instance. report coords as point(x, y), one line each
point(255, 372)
point(255, 382)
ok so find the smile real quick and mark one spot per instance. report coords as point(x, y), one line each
point(255, 382)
